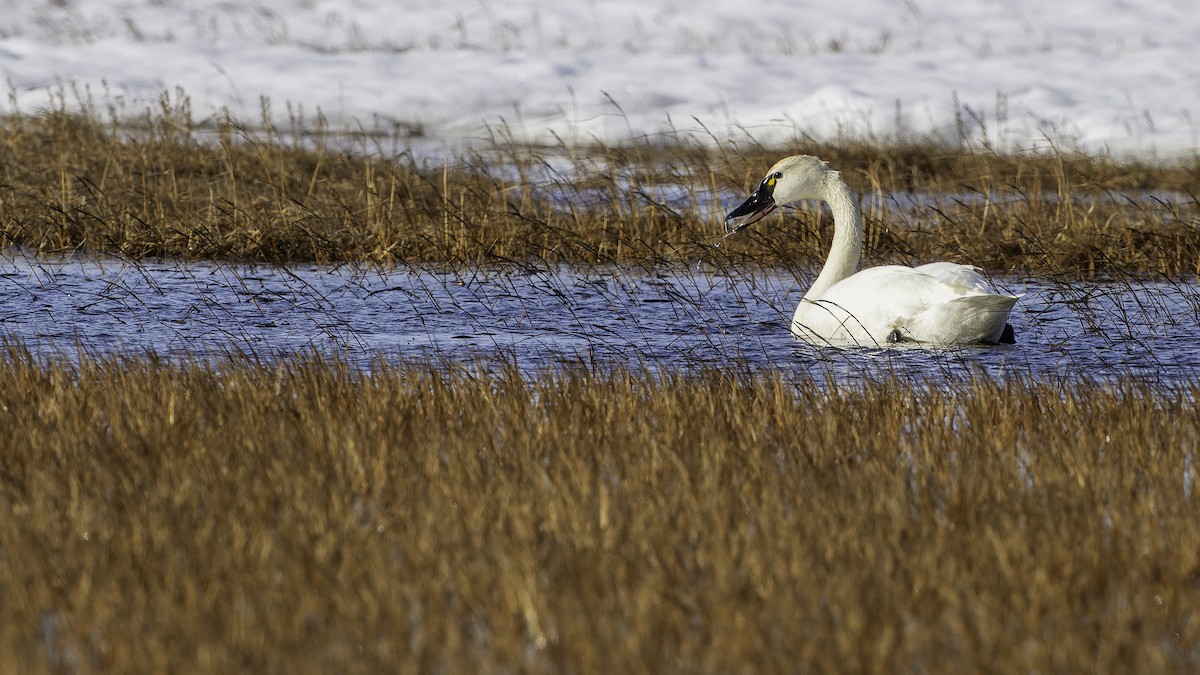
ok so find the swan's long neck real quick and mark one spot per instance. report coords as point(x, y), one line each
point(847, 236)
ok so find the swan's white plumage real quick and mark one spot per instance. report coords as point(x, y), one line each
point(939, 303)
point(950, 306)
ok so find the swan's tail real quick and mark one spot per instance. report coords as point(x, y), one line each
point(972, 318)
point(985, 316)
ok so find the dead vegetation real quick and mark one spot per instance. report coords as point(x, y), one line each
point(305, 516)
point(174, 187)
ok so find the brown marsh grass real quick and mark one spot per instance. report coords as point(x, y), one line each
point(306, 516)
point(215, 189)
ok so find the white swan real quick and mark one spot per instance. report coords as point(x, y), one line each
point(936, 304)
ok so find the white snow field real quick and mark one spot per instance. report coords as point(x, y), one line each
point(1095, 75)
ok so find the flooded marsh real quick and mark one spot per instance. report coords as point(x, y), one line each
point(284, 407)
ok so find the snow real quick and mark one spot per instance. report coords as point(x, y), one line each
point(1096, 75)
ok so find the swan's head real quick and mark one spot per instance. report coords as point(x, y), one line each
point(790, 180)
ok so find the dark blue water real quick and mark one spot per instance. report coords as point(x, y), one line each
point(652, 317)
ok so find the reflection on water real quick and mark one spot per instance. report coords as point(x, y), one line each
point(655, 317)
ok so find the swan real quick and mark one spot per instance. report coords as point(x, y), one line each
point(938, 304)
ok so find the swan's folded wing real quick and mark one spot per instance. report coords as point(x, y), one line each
point(968, 278)
point(906, 290)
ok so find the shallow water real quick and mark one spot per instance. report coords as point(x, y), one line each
point(643, 317)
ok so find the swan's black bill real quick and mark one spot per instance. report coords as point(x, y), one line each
point(753, 209)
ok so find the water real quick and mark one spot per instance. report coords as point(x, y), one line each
point(539, 317)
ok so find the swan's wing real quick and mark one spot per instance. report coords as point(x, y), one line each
point(968, 278)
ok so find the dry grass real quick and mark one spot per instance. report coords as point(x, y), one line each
point(178, 188)
point(309, 517)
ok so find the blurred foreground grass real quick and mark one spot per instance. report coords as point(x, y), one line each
point(175, 187)
point(306, 516)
